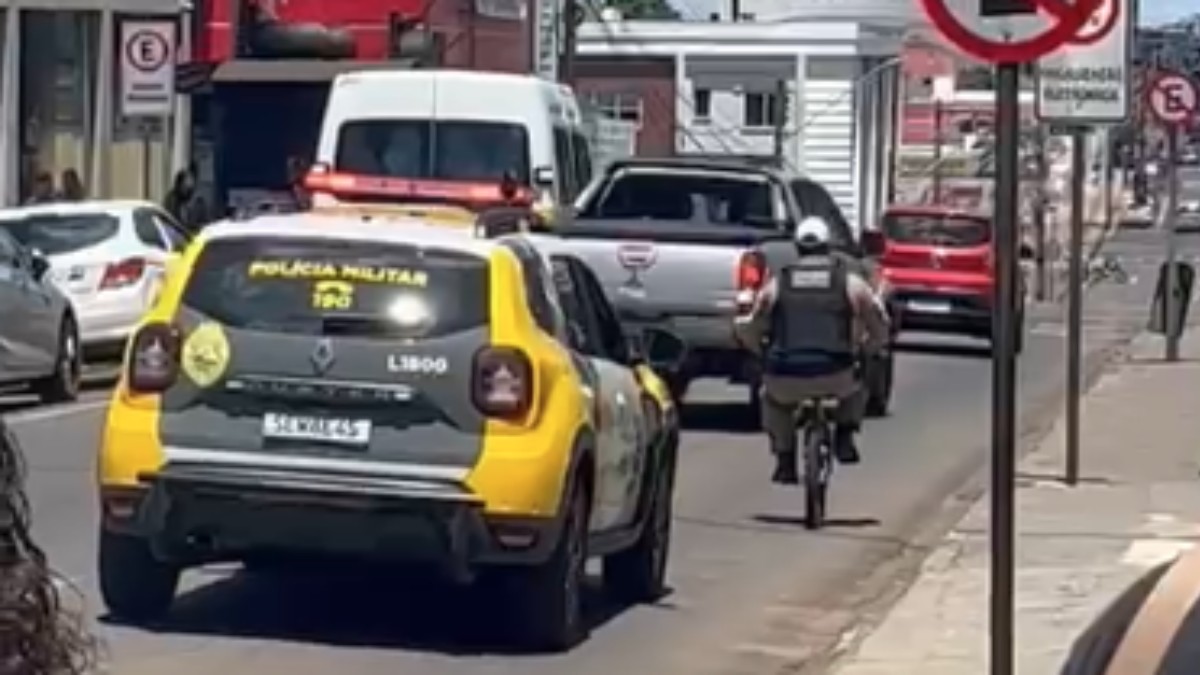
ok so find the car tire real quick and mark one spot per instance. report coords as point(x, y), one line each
point(879, 385)
point(549, 597)
point(63, 385)
point(135, 585)
point(638, 574)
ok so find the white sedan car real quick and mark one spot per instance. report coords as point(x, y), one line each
point(107, 257)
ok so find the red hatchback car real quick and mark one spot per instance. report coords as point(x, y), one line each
point(938, 265)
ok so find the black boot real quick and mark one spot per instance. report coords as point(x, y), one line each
point(844, 447)
point(785, 469)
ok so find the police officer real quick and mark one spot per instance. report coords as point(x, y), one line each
point(808, 324)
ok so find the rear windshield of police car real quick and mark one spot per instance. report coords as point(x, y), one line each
point(328, 287)
point(937, 230)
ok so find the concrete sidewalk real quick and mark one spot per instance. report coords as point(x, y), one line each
point(1078, 548)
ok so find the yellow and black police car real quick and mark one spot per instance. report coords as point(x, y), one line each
point(314, 385)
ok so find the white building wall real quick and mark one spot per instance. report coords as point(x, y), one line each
point(828, 130)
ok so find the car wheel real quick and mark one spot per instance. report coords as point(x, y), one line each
point(63, 385)
point(549, 597)
point(135, 585)
point(639, 573)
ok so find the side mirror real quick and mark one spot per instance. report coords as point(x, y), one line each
point(874, 243)
point(543, 177)
point(663, 350)
point(39, 266)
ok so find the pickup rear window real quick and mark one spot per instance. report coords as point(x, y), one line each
point(709, 199)
point(937, 230)
point(324, 287)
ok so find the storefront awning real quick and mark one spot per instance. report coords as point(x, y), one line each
point(191, 77)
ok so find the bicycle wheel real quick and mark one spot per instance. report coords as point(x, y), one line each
point(816, 475)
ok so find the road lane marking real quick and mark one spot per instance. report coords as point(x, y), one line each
point(43, 414)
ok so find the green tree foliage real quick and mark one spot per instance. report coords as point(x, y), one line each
point(645, 9)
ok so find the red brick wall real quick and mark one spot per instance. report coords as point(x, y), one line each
point(651, 80)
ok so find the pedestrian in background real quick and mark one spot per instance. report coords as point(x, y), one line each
point(38, 636)
point(43, 189)
point(182, 201)
point(1153, 628)
point(72, 186)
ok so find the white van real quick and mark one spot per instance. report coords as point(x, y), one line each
point(448, 128)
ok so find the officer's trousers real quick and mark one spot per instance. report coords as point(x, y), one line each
point(782, 397)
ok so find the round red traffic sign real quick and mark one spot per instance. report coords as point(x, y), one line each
point(1102, 22)
point(147, 50)
point(1066, 23)
point(1173, 98)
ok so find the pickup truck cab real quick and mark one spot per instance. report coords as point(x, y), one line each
point(673, 242)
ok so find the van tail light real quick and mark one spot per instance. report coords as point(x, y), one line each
point(154, 358)
point(751, 274)
point(502, 382)
point(122, 274)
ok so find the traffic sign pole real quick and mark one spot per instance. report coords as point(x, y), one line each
point(1075, 305)
point(1173, 294)
point(1004, 368)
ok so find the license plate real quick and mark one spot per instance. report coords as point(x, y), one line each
point(325, 429)
point(925, 307)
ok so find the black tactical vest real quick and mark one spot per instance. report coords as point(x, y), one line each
point(812, 322)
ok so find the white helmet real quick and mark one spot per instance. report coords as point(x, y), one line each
point(812, 232)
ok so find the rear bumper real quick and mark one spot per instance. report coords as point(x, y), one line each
point(201, 513)
point(713, 350)
point(941, 311)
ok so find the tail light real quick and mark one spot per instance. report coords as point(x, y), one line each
point(124, 273)
point(502, 382)
point(751, 274)
point(154, 358)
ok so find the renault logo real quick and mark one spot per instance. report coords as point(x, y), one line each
point(323, 356)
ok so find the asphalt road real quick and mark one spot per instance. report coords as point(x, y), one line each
point(751, 587)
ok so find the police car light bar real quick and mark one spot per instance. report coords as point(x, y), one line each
point(321, 179)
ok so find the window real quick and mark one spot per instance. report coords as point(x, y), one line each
point(815, 200)
point(702, 105)
point(937, 230)
point(609, 332)
point(759, 109)
point(8, 251)
point(618, 106)
point(581, 333)
point(245, 283)
point(467, 151)
point(54, 234)
point(565, 169)
point(583, 161)
point(177, 237)
point(702, 197)
point(539, 289)
point(147, 230)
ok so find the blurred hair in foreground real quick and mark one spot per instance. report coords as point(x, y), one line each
point(38, 636)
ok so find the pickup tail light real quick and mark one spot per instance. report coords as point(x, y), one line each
point(502, 383)
point(122, 274)
point(751, 275)
point(154, 358)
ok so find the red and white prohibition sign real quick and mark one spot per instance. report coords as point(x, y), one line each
point(1059, 22)
point(1173, 99)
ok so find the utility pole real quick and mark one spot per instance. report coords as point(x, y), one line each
point(570, 28)
point(1040, 292)
point(937, 150)
point(780, 122)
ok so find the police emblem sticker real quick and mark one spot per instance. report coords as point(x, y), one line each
point(205, 354)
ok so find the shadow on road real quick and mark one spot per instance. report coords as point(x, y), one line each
point(720, 417)
point(970, 351)
point(373, 609)
point(830, 523)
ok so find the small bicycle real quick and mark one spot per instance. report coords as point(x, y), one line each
point(816, 417)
